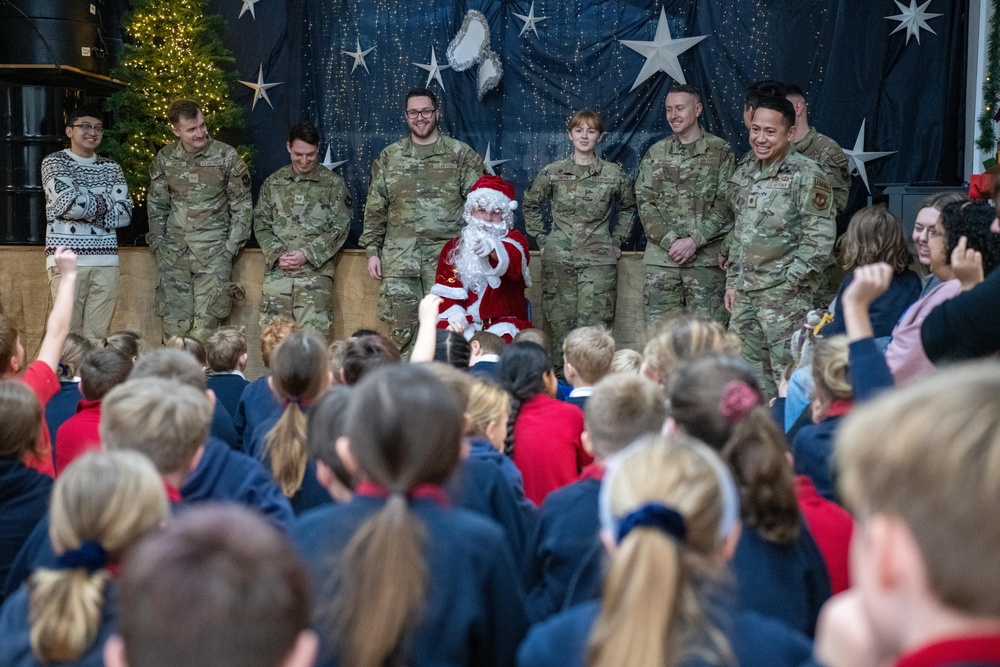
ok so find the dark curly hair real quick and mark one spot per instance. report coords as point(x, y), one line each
point(521, 371)
point(972, 219)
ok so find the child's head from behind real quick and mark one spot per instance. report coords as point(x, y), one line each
point(489, 410)
point(874, 234)
point(622, 409)
point(525, 370)
point(129, 342)
point(588, 353)
point(226, 349)
point(364, 354)
point(11, 349)
point(682, 338)
point(101, 370)
point(74, 350)
point(831, 375)
point(972, 220)
point(273, 333)
point(20, 420)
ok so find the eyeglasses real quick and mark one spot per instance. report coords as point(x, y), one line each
point(87, 128)
point(423, 113)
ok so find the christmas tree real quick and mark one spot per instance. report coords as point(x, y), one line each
point(173, 51)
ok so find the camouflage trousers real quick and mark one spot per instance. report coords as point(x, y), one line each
point(694, 290)
point(398, 301)
point(305, 298)
point(193, 298)
point(765, 321)
point(576, 296)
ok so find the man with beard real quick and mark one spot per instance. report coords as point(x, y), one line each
point(482, 274)
point(414, 206)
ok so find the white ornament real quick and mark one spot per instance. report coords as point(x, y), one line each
point(433, 70)
point(858, 156)
point(248, 6)
point(913, 19)
point(490, 73)
point(530, 21)
point(471, 43)
point(260, 89)
point(662, 53)
point(358, 55)
point(490, 162)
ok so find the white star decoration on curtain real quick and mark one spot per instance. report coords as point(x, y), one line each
point(358, 55)
point(662, 53)
point(248, 6)
point(530, 21)
point(858, 156)
point(260, 89)
point(913, 19)
point(433, 70)
point(490, 162)
point(329, 163)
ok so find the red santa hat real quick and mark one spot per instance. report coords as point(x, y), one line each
point(494, 192)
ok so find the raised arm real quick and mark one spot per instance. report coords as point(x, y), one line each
point(57, 326)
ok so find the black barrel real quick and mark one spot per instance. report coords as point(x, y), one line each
point(32, 125)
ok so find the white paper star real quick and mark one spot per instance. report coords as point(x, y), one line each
point(490, 162)
point(662, 53)
point(248, 6)
point(912, 19)
point(260, 89)
point(530, 21)
point(433, 70)
point(858, 156)
point(329, 163)
point(358, 55)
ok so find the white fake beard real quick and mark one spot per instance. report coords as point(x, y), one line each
point(471, 268)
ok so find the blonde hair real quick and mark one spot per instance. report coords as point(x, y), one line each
point(224, 347)
point(929, 454)
point(191, 345)
point(874, 234)
point(487, 403)
point(831, 379)
point(651, 610)
point(129, 342)
point(114, 499)
point(74, 350)
point(626, 361)
point(683, 337)
point(590, 350)
point(622, 409)
point(299, 373)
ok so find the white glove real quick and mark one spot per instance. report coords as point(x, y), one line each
point(458, 321)
point(481, 248)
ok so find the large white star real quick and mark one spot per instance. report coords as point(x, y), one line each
point(912, 19)
point(358, 55)
point(662, 53)
point(490, 162)
point(530, 21)
point(433, 70)
point(248, 6)
point(260, 89)
point(329, 163)
point(857, 156)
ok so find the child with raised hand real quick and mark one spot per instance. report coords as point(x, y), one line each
point(300, 373)
point(543, 434)
point(920, 469)
point(778, 567)
point(102, 504)
point(412, 580)
point(669, 514)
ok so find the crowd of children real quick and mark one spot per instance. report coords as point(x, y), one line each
point(470, 507)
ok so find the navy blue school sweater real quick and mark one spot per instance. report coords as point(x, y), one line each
point(228, 388)
point(813, 453)
point(565, 555)
point(257, 403)
point(62, 406)
point(222, 427)
point(485, 370)
point(787, 582)
point(474, 609)
point(481, 448)
point(757, 641)
point(24, 500)
point(15, 629)
point(480, 486)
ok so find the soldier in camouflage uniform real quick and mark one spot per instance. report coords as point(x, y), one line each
point(681, 194)
point(820, 148)
point(199, 217)
point(302, 218)
point(580, 251)
point(415, 203)
point(781, 246)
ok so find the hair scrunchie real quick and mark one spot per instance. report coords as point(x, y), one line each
point(653, 515)
point(89, 556)
point(738, 398)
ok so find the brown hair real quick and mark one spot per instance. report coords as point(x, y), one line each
point(929, 454)
point(489, 343)
point(129, 342)
point(9, 335)
point(590, 351)
point(335, 352)
point(589, 116)
point(273, 333)
point(404, 428)
point(20, 420)
point(191, 345)
point(74, 350)
point(326, 423)
point(532, 335)
point(366, 353)
point(299, 373)
point(224, 347)
point(874, 235)
point(684, 337)
point(459, 382)
point(217, 586)
point(830, 371)
point(652, 603)
point(101, 370)
point(941, 199)
point(622, 409)
point(182, 109)
point(113, 499)
point(746, 438)
point(168, 364)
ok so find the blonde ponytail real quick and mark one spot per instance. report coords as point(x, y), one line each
point(65, 612)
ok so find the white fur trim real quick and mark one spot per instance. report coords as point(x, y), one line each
point(525, 272)
point(513, 206)
point(456, 293)
point(453, 311)
point(501, 328)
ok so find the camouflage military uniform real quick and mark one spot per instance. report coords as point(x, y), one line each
point(831, 158)
point(415, 204)
point(311, 213)
point(781, 250)
point(199, 217)
point(579, 263)
point(681, 193)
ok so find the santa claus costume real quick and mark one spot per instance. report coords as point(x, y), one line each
point(483, 273)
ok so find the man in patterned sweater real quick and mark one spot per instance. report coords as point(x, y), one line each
point(86, 200)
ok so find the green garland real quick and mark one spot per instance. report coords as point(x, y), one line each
point(173, 51)
point(987, 141)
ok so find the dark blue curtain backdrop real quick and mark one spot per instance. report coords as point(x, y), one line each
point(839, 51)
